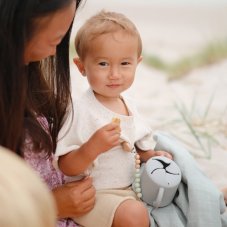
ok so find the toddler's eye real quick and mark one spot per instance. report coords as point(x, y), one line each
point(103, 63)
point(125, 63)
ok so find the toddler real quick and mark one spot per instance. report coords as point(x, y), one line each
point(109, 49)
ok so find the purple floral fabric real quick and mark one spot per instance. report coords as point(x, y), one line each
point(45, 169)
point(48, 173)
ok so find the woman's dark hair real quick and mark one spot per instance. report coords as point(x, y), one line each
point(40, 90)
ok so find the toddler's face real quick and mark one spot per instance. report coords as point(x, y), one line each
point(111, 62)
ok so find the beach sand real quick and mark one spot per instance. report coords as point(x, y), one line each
point(172, 32)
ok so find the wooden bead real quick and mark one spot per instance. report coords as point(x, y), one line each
point(126, 146)
point(139, 195)
point(137, 156)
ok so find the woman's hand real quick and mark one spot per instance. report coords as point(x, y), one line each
point(75, 199)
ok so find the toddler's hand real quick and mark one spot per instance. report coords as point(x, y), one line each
point(163, 153)
point(106, 138)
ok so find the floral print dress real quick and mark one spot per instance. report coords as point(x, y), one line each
point(45, 169)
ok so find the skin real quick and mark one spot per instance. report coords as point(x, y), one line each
point(75, 198)
point(49, 33)
point(108, 70)
point(109, 65)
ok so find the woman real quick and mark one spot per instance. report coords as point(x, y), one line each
point(35, 92)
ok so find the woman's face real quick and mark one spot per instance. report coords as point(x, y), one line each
point(48, 34)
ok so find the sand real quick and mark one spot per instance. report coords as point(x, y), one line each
point(173, 31)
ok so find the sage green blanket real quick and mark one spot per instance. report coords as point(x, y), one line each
point(199, 203)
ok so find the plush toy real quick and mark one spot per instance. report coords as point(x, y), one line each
point(158, 181)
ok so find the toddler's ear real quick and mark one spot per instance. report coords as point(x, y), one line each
point(79, 65)
point(139, 59)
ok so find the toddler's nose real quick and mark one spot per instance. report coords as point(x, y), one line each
point(114, 73)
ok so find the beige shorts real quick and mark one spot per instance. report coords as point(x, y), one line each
point(107, 201)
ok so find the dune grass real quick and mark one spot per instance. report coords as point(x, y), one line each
point(210, 54)
point(198, 128)
point(205, 130)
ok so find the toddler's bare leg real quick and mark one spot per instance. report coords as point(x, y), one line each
point(131, 213)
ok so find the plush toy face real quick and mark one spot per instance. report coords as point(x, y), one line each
point(160, 178)
point(163, 171)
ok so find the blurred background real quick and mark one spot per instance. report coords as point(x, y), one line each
point(181, 85)
point(170, 29)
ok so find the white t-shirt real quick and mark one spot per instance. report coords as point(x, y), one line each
point(114, 168)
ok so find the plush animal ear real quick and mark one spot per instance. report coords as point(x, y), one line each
point(79, 65)
point(166, 142)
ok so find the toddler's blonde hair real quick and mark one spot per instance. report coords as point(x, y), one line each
point(103, 23)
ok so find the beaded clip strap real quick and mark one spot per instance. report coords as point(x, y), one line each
point(126, 147)
point(137, 174)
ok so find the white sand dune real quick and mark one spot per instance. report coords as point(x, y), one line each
point(171, 32)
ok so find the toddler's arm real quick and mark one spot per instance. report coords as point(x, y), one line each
point(77, 161)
